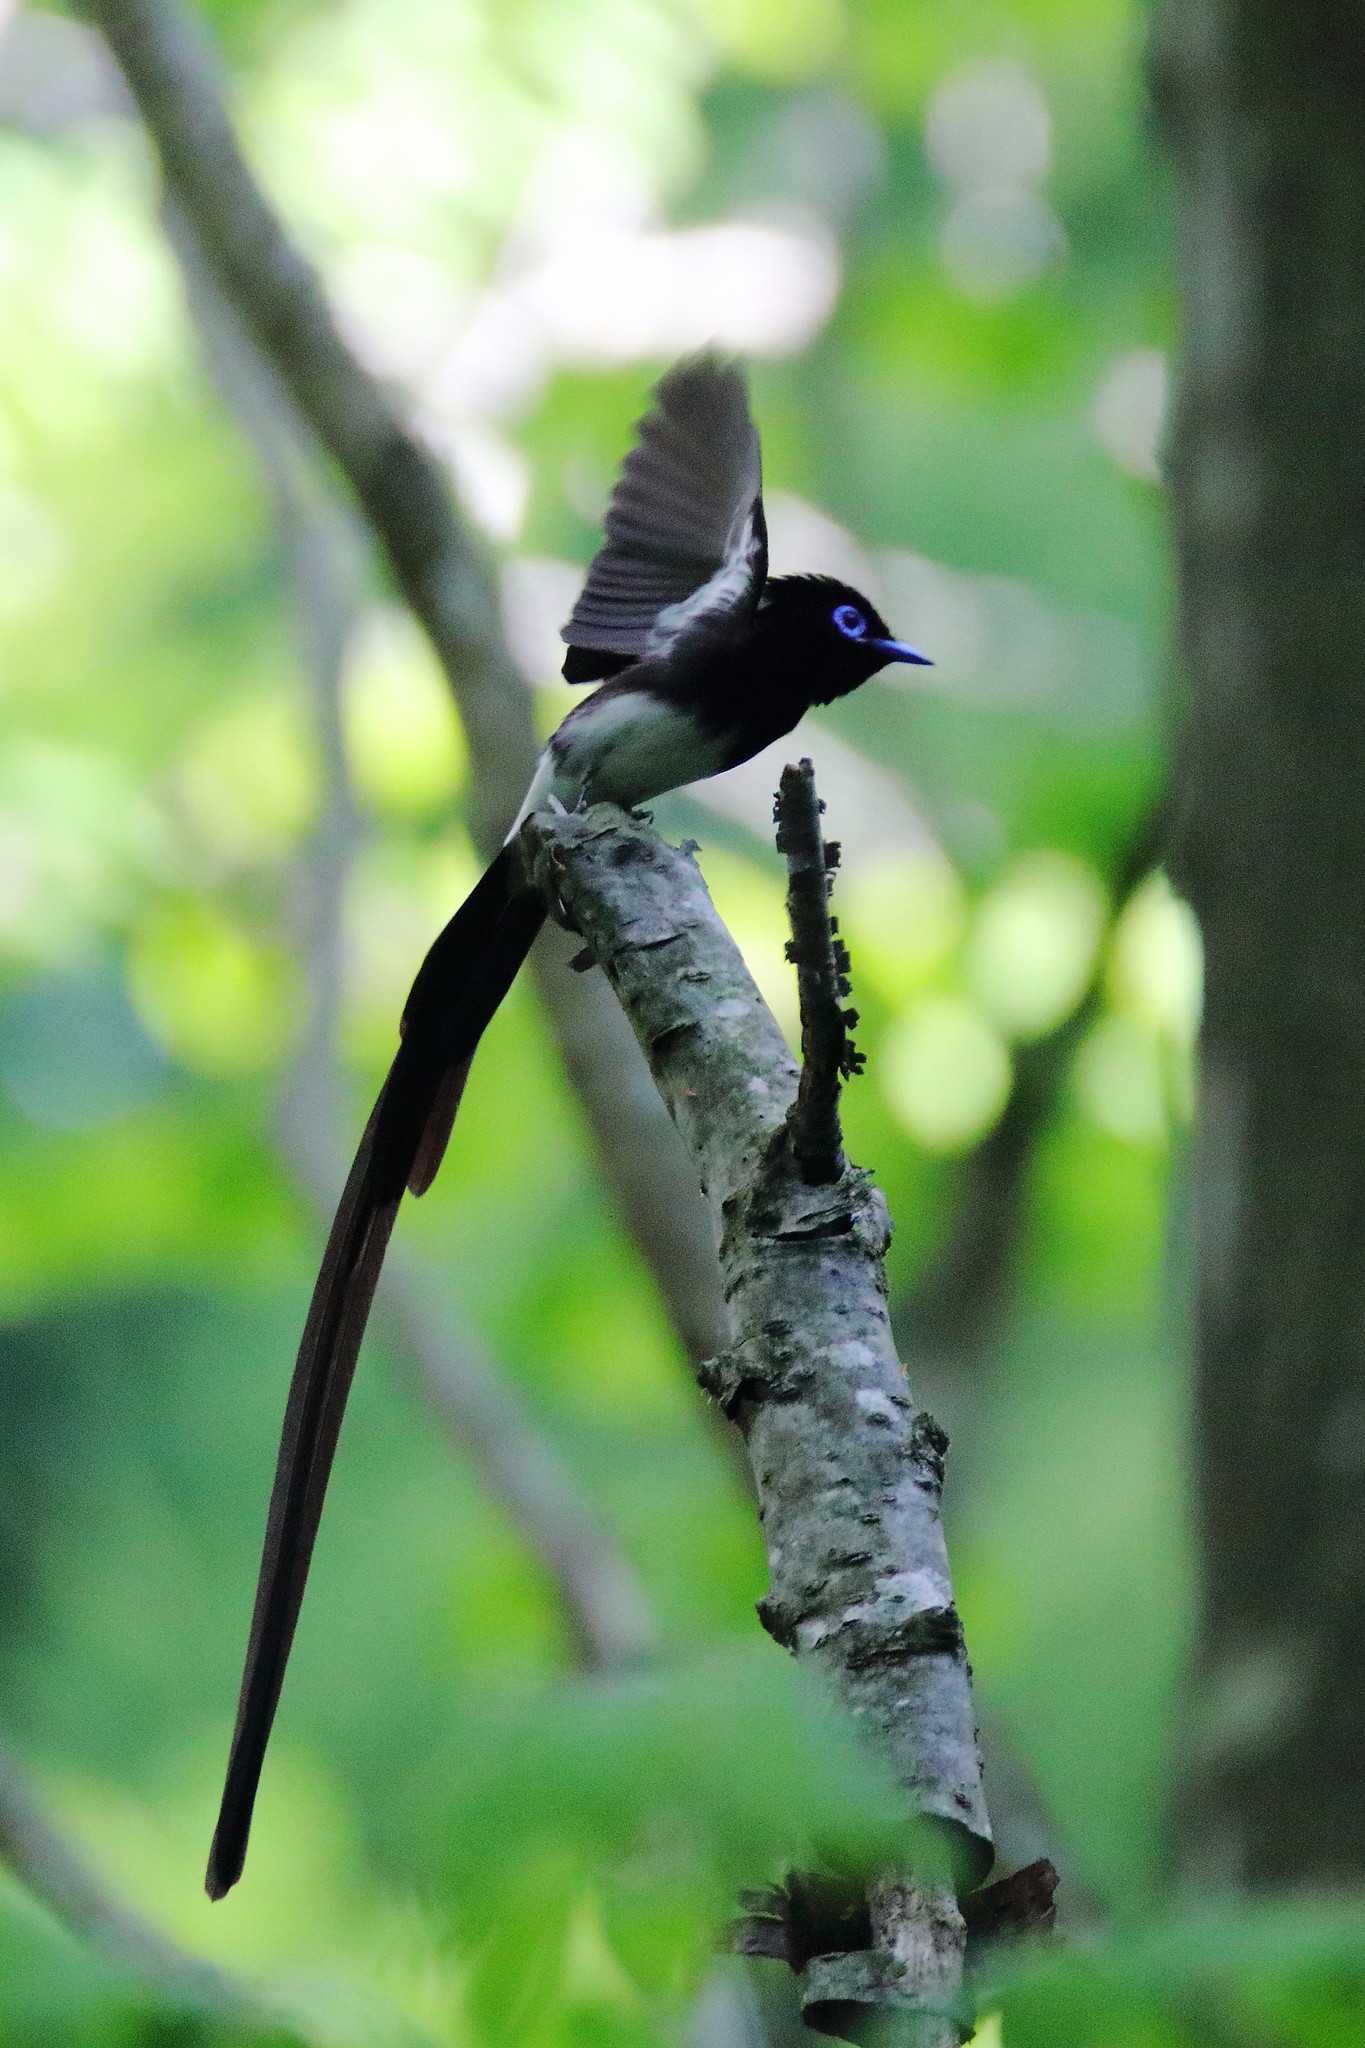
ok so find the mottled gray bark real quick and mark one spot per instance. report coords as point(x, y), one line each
point(1264, 104)
point(847, 1473)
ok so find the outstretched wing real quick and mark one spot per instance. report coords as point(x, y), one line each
point(685, 548)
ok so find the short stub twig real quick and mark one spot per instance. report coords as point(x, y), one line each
point(847, 1472)
point(828, 1054)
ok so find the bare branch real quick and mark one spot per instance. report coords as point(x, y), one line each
point(828, 1055)
point(406, 501)
point(848, 1474)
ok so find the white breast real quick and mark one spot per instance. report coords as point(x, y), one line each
point(622, 749)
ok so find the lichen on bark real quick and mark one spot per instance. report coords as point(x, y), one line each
point(847, 1471)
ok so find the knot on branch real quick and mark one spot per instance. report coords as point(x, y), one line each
point(820, 1925)
point(868, 1639)
point(929, 1632)
point(736, 1380)
point(812, 1913)
point(780, 1210)
point(812, 1135)
point(928, 1449)
point(1013, 1908)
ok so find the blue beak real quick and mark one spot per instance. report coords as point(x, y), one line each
point(896, 650)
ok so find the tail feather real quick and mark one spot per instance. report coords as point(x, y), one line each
point(431, 1147)
point(460, 984)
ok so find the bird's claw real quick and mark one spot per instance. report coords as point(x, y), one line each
point(561, 810)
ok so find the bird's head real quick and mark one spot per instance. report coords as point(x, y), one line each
point(828, 632)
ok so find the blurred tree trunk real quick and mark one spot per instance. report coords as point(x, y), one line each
point(1264, 104)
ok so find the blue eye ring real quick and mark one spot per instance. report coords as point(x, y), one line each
point(849, 621)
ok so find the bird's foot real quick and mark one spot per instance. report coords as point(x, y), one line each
point(561, 810)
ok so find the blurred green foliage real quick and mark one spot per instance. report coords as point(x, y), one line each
point(940, 235)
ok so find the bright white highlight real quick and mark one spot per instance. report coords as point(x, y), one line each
point(989, 126)
point(988, 135)
point(998, 239)
point(1129, 412)
point(607, 296)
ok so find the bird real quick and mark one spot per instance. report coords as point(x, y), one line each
point(702, 659)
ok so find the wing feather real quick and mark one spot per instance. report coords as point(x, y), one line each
point(685, 547)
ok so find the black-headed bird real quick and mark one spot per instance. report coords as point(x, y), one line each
point(703, 659)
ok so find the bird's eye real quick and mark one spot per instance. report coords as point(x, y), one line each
point(850, 621)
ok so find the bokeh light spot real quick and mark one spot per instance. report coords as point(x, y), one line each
point(946, 1071)
point(750, 285)
point(998, 239)
point(1119, 1080)
point(903, 919)
point(216, 999)
point(248, 778)
point(406, 752)
point(1033, 940)
point(1156, 964)
point(989, 126)
point(1129, 412)
point(32, 555)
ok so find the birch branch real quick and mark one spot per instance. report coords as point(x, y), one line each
point(847, 1473)
point(404, 495)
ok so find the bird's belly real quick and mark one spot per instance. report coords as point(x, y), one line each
point(627, 749)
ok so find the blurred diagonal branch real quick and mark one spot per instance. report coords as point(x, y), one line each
point(280, 300)
point(404, 495)
point(46, 1864)
point(602, 1599)
point(848, 1475)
